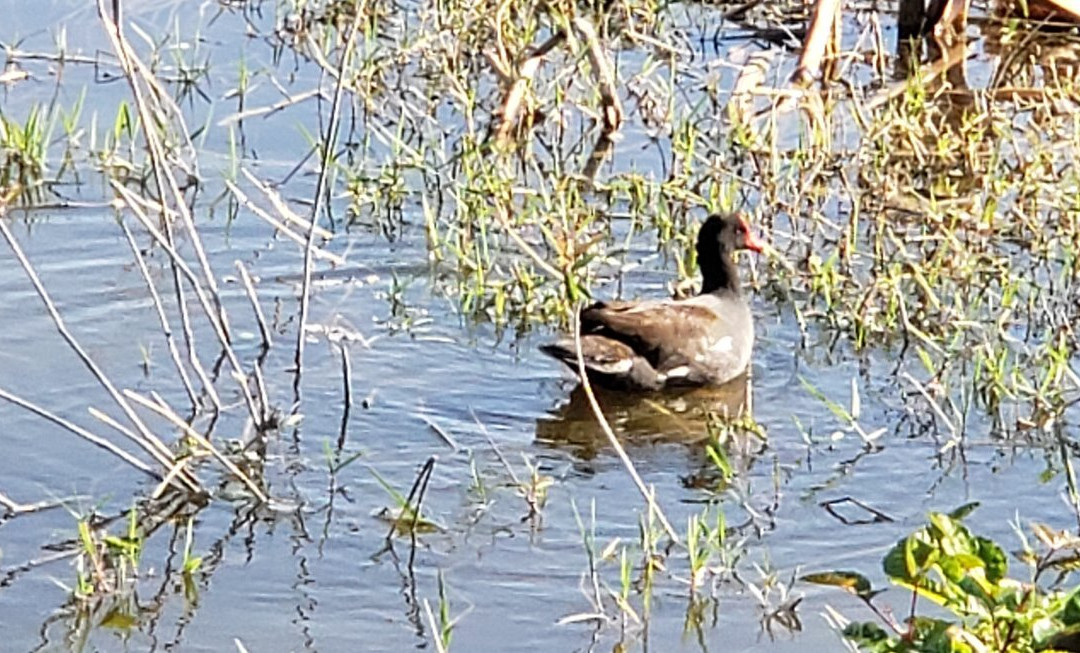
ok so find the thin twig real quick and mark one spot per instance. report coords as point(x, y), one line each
point(509, 114)
point(282, 207)
point(498, 454)
point(270, 108)
point(279, 225)
point(447, 439)
point(201, 294)
point(604, 72)
point(256, 308)
point(329, 142)
point(156, 448)
point(614, 441)
point(264, 421)
point(435, 632)
point(346, 381)
point(165, 411)
point(82, 433)
point(133, 69)
point(166, 329)
point(69, 338)
point(16, 508)
point(504, 222)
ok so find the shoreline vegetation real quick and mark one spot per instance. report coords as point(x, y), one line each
point(920, 200)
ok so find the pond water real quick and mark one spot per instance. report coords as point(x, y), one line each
point(308, 572)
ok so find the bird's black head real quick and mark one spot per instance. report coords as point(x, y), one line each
point(722, 234)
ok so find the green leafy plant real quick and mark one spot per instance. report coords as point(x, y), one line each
point(966, 575)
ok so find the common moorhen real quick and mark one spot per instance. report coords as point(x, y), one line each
point(703, 340)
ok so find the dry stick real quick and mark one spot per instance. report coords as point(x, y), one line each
point(14, 55)
point(249, 287)
point(132, 64)
point(495, 448)
point(447, 439)
point(751, 77)
point(82, 433)
point(346, 380)
point(200, 294)
point(164, 101)
point(181, 299)
point(435, 631)
point(1071, 8)
point(320, 189)
point(927, 74)
point(277, 224)
point(145, 436)
point(817, 37)
point(150, 206)
point(603, 148)
point(168, 214)
point(264, 397)
point(166, 328)
point(162, 175)
point(11, 505)
point(283, 207)
point(510, 113)
point(270, 108)
point(646, 492)
point(1017, 54)
point(921, 389)
point(605, 75)
point(174, 468)
point(30, 565)
point(163, 409)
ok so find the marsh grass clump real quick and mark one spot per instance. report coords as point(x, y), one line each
point(494, 125)
point(624, 580)
point(943, 230)
point(23, 152)
point(923, 217)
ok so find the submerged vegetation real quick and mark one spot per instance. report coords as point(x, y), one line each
point(924, 221)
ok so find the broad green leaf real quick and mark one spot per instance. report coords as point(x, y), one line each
point(1069, 614)
point(963, 511)
point(849, 580)
point(993, 558)
point(942, 526)
point(1065, 640)
point(866, 634)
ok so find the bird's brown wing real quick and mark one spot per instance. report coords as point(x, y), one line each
point(664, 333)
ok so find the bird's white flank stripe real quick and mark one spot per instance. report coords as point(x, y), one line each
point(723, 344)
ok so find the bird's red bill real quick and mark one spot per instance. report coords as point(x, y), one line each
point(752, 243)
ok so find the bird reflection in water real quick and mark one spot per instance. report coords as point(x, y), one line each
point(688, 417)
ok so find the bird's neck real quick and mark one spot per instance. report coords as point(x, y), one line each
point(719, 273)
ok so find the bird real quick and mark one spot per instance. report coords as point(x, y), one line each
point(704, 340)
